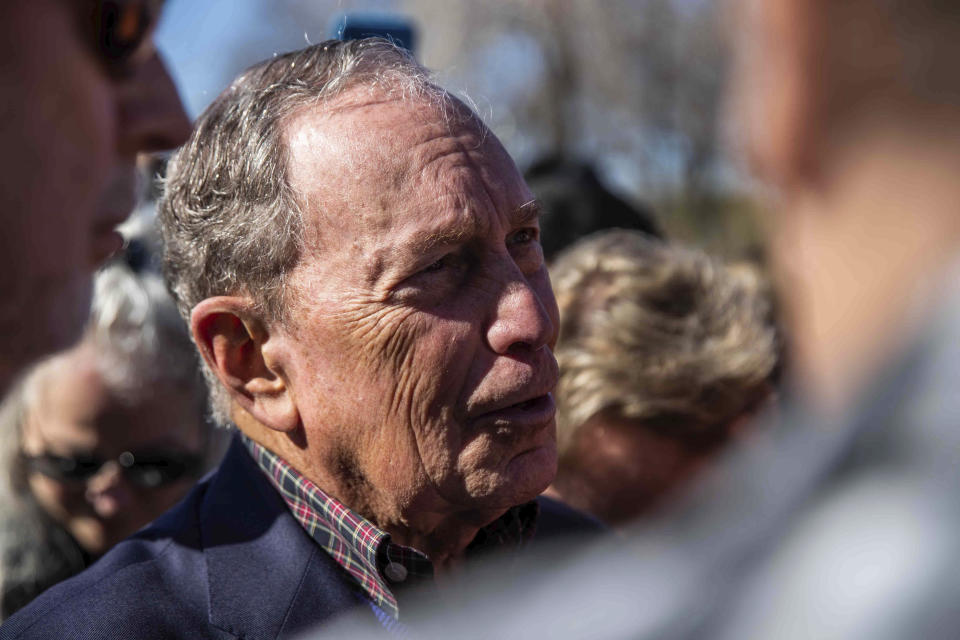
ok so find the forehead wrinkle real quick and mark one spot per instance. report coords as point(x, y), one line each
point(443, 142)
point(440, 171)
point(478, 168)
point(459, 178)
point(468, 223)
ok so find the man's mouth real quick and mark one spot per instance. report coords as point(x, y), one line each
point(530, 412)
point(533, 403)
point(116, 203)
point(528, 401)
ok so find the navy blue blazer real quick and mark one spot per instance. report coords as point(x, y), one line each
point(229, 561)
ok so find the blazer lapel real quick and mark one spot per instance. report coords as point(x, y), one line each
point(267, 578)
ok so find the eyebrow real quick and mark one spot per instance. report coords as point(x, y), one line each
point(429, 242)
point(527, 213)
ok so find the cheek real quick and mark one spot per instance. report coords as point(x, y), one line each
point(423, 366)
point(414, 361)
point(73, 111)
point(650, 464)
point(435, 386)
point(64, 132)
point(56, 307)
point(61, 502)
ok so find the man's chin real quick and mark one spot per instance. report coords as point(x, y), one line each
point(531, 471)
point(508, 476)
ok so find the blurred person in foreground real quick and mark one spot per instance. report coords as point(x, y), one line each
point(358, 257)
point(83, 92)
point(103, 438)
point(665, 357)
point(843, 520)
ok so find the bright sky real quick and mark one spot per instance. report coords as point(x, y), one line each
point(208, 42)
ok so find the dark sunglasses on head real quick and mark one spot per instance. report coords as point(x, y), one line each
point(148, 470)
point(119, 27)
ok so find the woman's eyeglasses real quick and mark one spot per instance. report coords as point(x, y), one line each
point(147, 470)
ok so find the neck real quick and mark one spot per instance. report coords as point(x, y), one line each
point(419, 518)
point(442, 537)
point(861, 256)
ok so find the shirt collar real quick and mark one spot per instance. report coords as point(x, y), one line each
point(365, 552)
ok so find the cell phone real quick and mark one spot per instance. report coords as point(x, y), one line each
point(396, 28)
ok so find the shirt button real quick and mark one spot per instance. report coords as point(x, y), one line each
point(395, 572)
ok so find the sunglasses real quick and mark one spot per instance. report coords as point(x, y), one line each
point(148, 470)
point(118, 29)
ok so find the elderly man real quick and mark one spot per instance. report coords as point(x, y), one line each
point(843, 522)
point(83, 92)
point(98, 441)
point(359, 261)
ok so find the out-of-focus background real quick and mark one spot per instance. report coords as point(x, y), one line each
point(630, 89)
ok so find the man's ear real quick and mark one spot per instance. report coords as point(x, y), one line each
point(233, 342)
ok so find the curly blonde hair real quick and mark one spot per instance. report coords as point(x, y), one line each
point(659, 333)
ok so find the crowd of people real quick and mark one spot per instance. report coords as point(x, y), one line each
point(666, 356)
point(103, 437)
point(430, 428)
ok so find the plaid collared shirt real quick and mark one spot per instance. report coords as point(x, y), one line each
point(364, 551)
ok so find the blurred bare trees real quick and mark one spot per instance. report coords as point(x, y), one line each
point(632, 85)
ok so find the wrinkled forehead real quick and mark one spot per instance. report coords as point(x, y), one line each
point(366, 160)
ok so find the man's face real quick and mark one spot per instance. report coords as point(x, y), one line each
point(423, 315)
point(76, 414)
point(72, 125)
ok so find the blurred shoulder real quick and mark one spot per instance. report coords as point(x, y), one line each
point(35, 553)
point(152, 585)
point(558, 519)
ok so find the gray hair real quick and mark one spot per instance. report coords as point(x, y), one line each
point(139, 336)
point(140, 342)
point(231, 222)
point(656, 332)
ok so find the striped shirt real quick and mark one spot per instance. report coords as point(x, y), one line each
point(365, 552)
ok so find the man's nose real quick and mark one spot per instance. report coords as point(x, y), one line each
point(522, 319)
point(107, 491)
point(150, 112)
